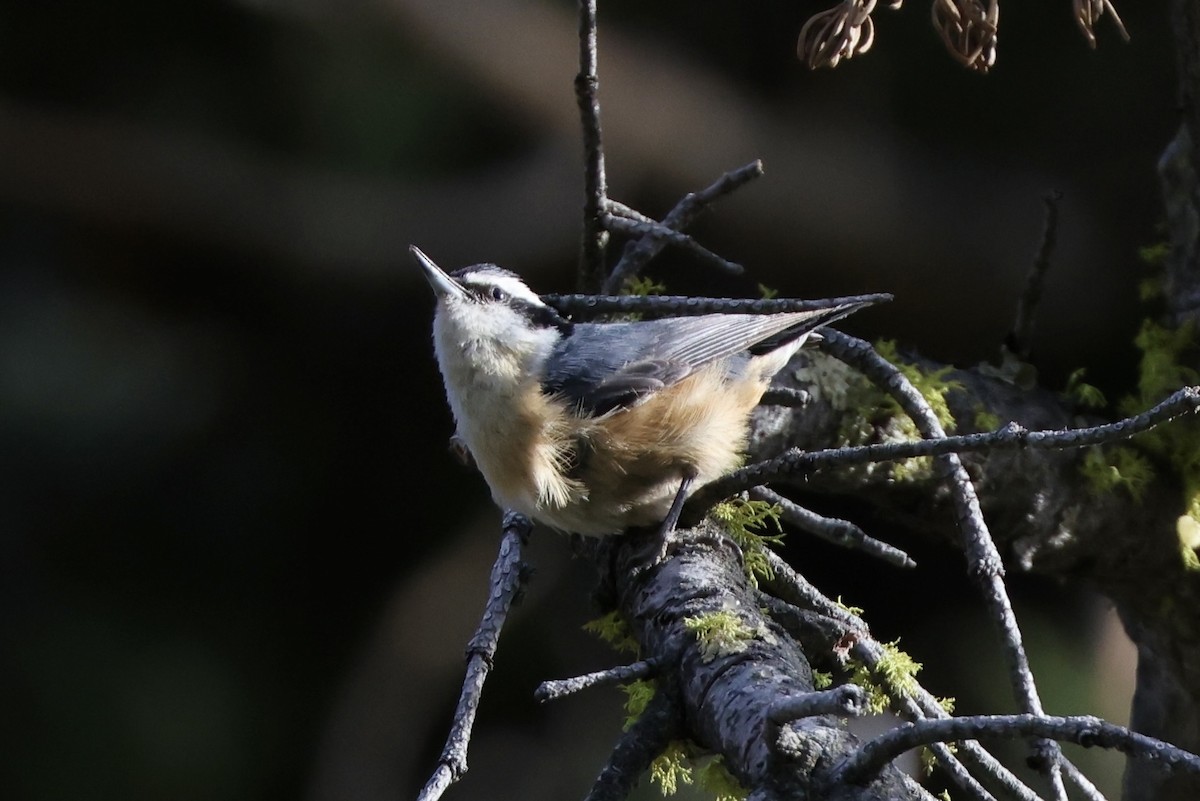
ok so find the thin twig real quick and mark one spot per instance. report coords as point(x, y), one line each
point(915, 790)
point(656, 230)
point(788, 585)
point(959, 774)
point(619, 209)
point(819, 636)
point(1084, 730)
point(584, 307)
point(637, 253)
point(1012, 436)
point(923, 704)
point(508, 574)
point(983, 559)
point(1089, 790)
point(587, 85)
point(1021, 338)
point(831, 529)
point(837, 632)
point(849, 699)
point(558, 688)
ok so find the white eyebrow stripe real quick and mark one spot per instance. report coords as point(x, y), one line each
point(512, 286)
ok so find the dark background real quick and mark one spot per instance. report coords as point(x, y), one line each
point(236, 560)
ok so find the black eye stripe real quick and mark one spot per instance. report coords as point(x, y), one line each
point(486, 292)
point(537, 314)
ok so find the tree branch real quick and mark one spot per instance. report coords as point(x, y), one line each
point(1012, 436)
point(508, 574)
point(639, 252)
point(1083, 730)
point(729, 689)
point(555, 689)
point(587, 86)
point(1021, 338)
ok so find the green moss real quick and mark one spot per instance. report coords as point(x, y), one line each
point(1110, 468)
point(719, 634)
point(898, 670)
point(670, 768)
point(1164, 368)
point(985, 420)
point(1150, 288)
point(642, 286)
point(880, 418)
point(894, 677)
point(822, 680)
point(1187, 528)
point(1191, 561)
point(1155, 255)
point(639, 286)
point(928, 762)
point(746, 523)
point(614, 630)
point(1084, 394)
point(714, 777)
point(637, 695)
point(933, 386)
point(767, 293)
point(679, 764)
point(857, 611)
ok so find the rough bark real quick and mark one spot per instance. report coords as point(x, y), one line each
point(726, 698)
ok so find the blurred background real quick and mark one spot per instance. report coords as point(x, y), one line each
point(236, 559)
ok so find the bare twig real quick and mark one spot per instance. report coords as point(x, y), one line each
point(830, 529)
point(923, 704)
point(962, 777)
point(587, 85)
point(1012, 436)
point(558, 688)
point(1076, 777)
point(584, 307)
point(831, 629)
point(1084, 730)
point(653, 229)
point(507, 576)
point(790, 586)
point(983, 558)
point(849, 699)
point(638, 253)
point(1021, 339)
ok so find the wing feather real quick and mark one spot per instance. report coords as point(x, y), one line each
point(600, 367)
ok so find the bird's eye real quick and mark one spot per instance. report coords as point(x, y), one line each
point(497, 293)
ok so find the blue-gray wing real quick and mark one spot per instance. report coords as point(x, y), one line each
point(600, 367)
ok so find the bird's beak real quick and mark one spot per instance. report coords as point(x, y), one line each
point(443, 285)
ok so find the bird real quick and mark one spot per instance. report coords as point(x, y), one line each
point(595, 428)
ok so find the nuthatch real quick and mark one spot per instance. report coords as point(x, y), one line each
point(597, 427)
